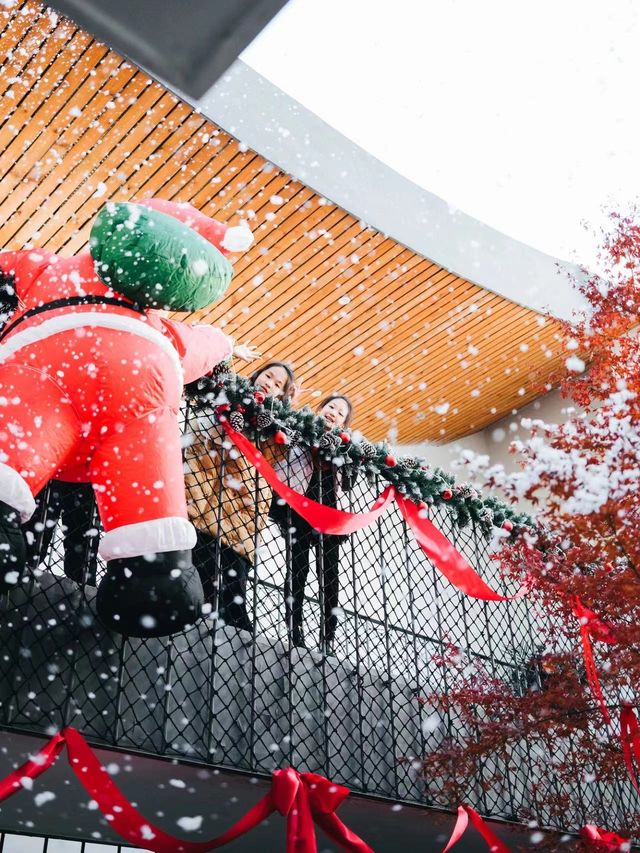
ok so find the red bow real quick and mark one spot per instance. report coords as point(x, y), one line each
point(303, 798)
point(592, 626)
point(598, 629)
point(603, 839)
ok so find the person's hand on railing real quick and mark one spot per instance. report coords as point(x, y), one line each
point(245, 352)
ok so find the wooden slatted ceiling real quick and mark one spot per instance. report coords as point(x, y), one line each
point(419, 349)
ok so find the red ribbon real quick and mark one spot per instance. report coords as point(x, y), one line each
point(603, 839)
point(447, 558)
point(630, 739)
point(326, 519)
point(592, 626)
point(466, 814)
point(303, 798)
point(598, 629)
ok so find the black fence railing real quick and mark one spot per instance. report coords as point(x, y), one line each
point(353, 704)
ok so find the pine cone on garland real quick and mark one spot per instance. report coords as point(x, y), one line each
point(329, 441)
point(293, 436)
point(236, 421)
point(465, 491)
point(408, 462)
point(485, 519)
point(222, 371)
point(264, 420)
point(368, 449)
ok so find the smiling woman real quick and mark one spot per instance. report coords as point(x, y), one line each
point(228, 503)
point(328, 482)
point(275, 379)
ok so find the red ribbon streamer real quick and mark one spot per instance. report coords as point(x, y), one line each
point(630, 739)
point(447, 558)
point(323, 518)
point(603, 839)
point(592, 626)
point(465, 815)
point(326, 519)
point(303, 798)
point(592, 672)
point(598, 628)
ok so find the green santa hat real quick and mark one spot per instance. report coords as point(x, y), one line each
point(164, 254)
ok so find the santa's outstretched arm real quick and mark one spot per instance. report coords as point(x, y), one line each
point(201, 348)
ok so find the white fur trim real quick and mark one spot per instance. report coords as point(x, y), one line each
point(15, 492)
point(65, 322)
point(238, 238)
point(148, 537)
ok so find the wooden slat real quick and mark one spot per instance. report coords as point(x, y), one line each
point(42, 204)
point(80, 116)
point(22, 41)
point(136, 126)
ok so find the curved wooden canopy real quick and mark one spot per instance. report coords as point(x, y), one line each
point(422, 352)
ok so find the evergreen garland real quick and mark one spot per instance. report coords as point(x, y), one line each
point(234, 398)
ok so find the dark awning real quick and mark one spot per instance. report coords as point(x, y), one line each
point(186, 45)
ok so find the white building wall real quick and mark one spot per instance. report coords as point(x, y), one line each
point(495, 439)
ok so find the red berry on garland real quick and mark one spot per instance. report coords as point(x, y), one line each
point(507, 525)
point(390, 461)
point(446, 494)
point(241, 409)
point(280, 437)
point(345, 438)
point(259, 397)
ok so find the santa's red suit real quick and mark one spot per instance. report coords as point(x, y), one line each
point(90, 392)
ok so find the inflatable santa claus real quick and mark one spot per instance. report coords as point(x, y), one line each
point(91, 378)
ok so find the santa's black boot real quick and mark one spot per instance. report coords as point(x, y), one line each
point(150, 596)
point(13, 548)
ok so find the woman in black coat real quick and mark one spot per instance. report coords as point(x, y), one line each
point(324, 487)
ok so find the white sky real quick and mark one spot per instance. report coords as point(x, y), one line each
point(525, 116)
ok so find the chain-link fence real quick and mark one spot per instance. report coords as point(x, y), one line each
point(333, 677)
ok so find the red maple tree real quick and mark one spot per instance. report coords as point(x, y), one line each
point(584, 477)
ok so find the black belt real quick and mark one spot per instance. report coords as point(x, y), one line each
point(67, 301)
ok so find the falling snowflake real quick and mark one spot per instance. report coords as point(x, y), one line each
point(190, 824)
point(575, 364)
point(44, 797)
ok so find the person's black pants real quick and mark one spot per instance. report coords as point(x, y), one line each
point(72, 504)
point(209, 554)
point(328, 556)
